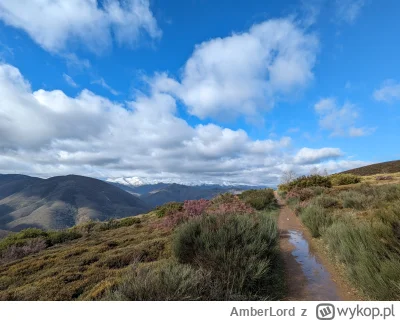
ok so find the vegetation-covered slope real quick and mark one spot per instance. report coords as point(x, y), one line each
point(379, 168)
point(360, 226)
point(181, 254)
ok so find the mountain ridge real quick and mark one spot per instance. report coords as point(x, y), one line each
point(62, 201)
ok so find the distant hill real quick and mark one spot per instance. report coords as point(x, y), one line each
point(379, 168)
point(161, 193)
point(180, 193)
point(61, 202)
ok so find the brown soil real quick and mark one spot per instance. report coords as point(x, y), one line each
point(310, 275)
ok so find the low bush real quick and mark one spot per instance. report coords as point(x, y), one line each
point(190, 210)
point(353, 199)
point(21, 237)
point(240, 252)
point(15, 252)
point(56, 237)
point(114, 224)
point(228, 204)
point(302, 194)
point(345, 179)
point(169, 209)
point(384, 178)
point(261, 199)
point(307, 181)
point(317, 219)
point(168, 282)
point(33, 240)
point(327, 201)
point(195, 207)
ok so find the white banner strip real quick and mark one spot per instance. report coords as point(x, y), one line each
point(204, 311)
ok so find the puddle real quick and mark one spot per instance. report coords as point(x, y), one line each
point(319, 283)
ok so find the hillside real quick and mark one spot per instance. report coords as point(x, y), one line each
point(137, 259)
point(61, 202)
point(379, 168)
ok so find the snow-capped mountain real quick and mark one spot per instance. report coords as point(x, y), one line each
point(138, 181)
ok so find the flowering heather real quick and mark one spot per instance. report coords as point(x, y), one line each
point(229, 204)
point(195, 207)
point(190, 209)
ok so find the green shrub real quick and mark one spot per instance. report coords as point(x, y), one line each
point(241, 253)
point(390, 214)
point(20, 238)
point(261, 199)
point(327, 201)
point(302, 194)
point(33, 240)
point(169, 208)
point(168, 282)
point(370, 252)
point(56, 237)
point(114, 224)
point(307, 181)
point(353, 199)
point(316, 218)
point(345, 179)
point(318, 190)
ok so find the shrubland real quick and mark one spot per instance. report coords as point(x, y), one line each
point(360, 226)
point(220, 249)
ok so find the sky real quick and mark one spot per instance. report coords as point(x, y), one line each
point(198, 91)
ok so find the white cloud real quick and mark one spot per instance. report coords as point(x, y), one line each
point(48, 133)
point(348, 10)
point(389, 92)
point(339, 120)
point(70, 81)
point(245, 72)
point(56, 24)
point(312, 156)
point(101, 82)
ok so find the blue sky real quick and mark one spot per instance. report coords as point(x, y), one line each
point(197, 91)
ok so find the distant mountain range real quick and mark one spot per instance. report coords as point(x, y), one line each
point(161, 193)
point(61, 202)
point(64, 201)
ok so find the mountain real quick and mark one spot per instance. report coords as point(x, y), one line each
point(160, 193)
point(61, 202)
point(141, 189)
point(180, 193)
point(378, 168)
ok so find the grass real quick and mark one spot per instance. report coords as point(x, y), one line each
point(360, 224)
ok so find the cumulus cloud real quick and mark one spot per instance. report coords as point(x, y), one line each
point(245, 72)
point(49, 133)
point(312, 156)
point(348, 10)
point(55, 24)
point(339, 120)
point(389, 92)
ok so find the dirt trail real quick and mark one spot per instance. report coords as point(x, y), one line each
point(309, 274)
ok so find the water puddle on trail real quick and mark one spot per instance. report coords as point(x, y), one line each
point(320, 286)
